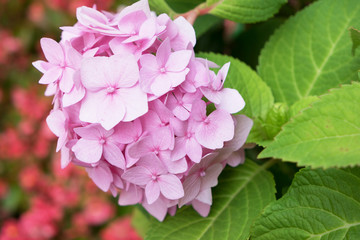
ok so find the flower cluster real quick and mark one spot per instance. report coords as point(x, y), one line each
point(132, 105)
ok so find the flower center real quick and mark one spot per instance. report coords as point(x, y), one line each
point(162, 70)
point(102, 141)
point(189, 135)
point(154, 177)
point(156, 150)
point(110, 90)
point(202, 173)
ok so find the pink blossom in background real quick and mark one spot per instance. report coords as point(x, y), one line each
point(120, 229)
point(129, 107)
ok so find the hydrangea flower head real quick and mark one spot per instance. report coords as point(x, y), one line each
point(129, 107)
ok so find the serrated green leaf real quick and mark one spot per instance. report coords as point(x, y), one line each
point(320, 204)
point(301, 105)
point(246, 11)
point(257, 95)
point(275, 119)
point(324, 135)
point(161, 6)
point(264, 130)
point(238, 200)
point(355, 37)
point(311, 52)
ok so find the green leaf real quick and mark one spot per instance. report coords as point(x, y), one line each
point(246, 11)
point(256, 93)
point(161, 6)
point(181, 6)
point(355, 37)
point(324, 135)
point(311, 52)
point(140, 221)
point(238, 200)
point(205, 22)
point(320, 204)
point(275, 119)
point(300, 105)
point(264, 130)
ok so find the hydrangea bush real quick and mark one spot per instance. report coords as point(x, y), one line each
point(156, 124)
point(137, 108)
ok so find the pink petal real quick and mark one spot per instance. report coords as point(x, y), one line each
point(161, 85)
point(117, 47)
point(147, 76)
point(141, 148)
point(52, 51)
point(153, 163)
point(175, 167)
point(128, 132)
point(198, 111)
point(56, 122)
point(90, 132)
point(114, 155)
point(176, 78)
point(230, 100)
point(99, 107)
point(88, 151)
point(163, 53)
point(242, 130)
point(202, 208)
point(171, 186)
point(152, 191)
point(148, 28)
point(101, 175)
point(73, 57)
point(191, 189)
point(137, 175)
point(179, 150)
point(135, 102)
point(211, 176)
point(74, 96)
point(131, 196)
point(158, 209)
point(163, 112)
point(42, 66)
point(186, 35)
point(124, 70)
point(217, 128)
point(91, 17)
point(65, 157)
point(149, 61)
point(213, 95)
point(205, 196)
point(51, 89)
point(90, 105)
point(130, 23)
point(223, 72)
point(140, 5)
point(67, 80)
point(51, 75)
point(193, 150)
point(181, 112)
point(178, 60)
point(162, 139)
point(93, 73)
point(236, 158)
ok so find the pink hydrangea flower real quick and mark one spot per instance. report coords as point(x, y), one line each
point(112, 90)
point(129, 107)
